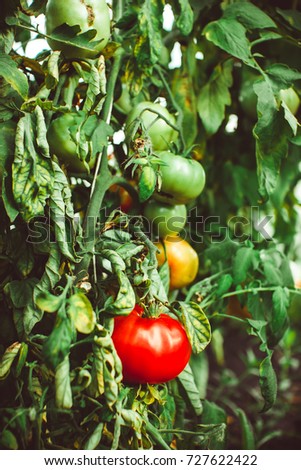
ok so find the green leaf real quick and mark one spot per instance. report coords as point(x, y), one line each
point(124, 303)
point(95, 438)
point(156, 435)
point(33, 314)
point(187, 380)
point(282, 76)
point(106, 369)
point(7, 38)
point(222, 251)
point(293, 17)
point(269, 151)
point(52, 75)
point(185, 20)
point(7, 143)
point(8, 440)
point(20, 292)
point(217, 345)
point(224, 284)
point(7, 150)
point(128, 250)
point(97, 132)
point(125, 300)
point(258, 328)
point(196, 324)
point(216, 417)
point(32, 168)
point(184, 96)
point(272, 273)
point(243, 262)
point(249, 15)
point(21, 359)
point(229, 35)
point(115, 259)
point(215, 96)
point(48, 302)
point(8, 358)
point(281, 301)
point(242, 187)
point(148, 44)
point(156, 287)
point(147, 183)
point(255, 306)
point(12, 75)
point(62, 214)
point(57, 345)
point(82, 314)
point(96, 90)
point(248, 439)
point(71, 35)
point(63, 392)
point(200, 368)
point(35, 8)
point(268, 383)
point(164, 273)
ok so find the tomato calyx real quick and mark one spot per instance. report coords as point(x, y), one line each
point(152, 309)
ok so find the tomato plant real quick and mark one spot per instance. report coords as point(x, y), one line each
point(182, 259)
point(157, 122)
point(92, 16)
point(152, 350)
point(182, 179)
point(114, 91)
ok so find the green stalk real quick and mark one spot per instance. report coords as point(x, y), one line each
point(246, 291)
point(102, 180)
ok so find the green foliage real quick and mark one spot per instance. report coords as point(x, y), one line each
point(71, 260)
point(214, 96)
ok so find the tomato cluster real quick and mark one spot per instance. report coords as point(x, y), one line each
point(182, 180)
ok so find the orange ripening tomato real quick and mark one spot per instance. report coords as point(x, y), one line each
point(126, 200)
point(182, 259)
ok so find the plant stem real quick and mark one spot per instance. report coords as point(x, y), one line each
point(246, 291)
point(175, 105)
point(102, 179)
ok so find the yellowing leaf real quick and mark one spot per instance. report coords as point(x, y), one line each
point(82, 314)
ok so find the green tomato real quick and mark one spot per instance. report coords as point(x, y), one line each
point(183, 179)
point(164, 56)
point(87, 15)
point(291, 99)
point(124, 102)
point(248, 98)
point(165, 220)
point(159, 131)
point(61, 138)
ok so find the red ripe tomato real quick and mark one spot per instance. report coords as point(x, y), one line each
point(152, 350)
